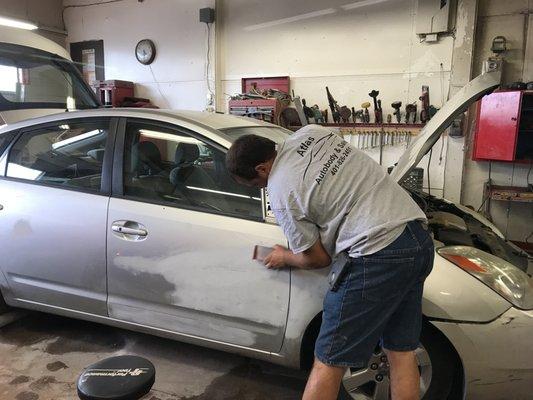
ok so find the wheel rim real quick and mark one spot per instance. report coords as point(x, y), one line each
point(373, 382)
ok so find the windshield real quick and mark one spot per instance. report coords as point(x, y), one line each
point(31, 78)
point(277, 134)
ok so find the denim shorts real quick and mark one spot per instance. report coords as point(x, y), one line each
point(379, 302)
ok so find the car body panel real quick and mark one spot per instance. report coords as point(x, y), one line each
point(13, 116)
point(59, 243)
point(28, 38)
point(473, 90)
point(214, 290)
point(450, 295)
point(496, 356)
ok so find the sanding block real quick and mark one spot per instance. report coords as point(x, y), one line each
point(261, 252)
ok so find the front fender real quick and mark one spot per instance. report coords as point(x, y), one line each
point(452, 294)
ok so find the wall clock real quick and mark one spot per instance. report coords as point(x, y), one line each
point(145, 51)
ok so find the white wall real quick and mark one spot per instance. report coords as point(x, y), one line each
point(322, 43)
point(173, 25)
point(509, 19)
point(44, 13)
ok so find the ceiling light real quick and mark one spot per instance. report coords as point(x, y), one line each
point(362, 3)
point(15, 23)
point(168, 136)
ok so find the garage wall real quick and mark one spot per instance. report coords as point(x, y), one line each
point(512, 20)
point(351, 47)
point(176, 78)
point(44, 13)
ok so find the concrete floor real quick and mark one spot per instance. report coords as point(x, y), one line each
point(41, 357)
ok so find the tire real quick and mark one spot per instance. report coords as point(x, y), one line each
point(439, 365)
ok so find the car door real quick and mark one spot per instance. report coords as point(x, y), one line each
point(181, 236)
point(54, 193)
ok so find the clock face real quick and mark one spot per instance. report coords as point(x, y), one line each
point(145, 51)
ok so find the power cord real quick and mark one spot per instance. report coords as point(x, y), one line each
point(208, 68)
point(157, 85)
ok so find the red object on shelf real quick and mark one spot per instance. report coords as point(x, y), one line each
point(281, 83)
point(503, 131)
point(113, 92)
point(265, 109)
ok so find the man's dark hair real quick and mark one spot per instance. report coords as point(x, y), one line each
point(246, 153)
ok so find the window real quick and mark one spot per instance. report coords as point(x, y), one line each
point(31, 78)
point(66, 155)
point(165, 165)
point(5, 139)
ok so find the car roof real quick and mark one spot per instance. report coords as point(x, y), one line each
point(214, 123)
point(23, 37)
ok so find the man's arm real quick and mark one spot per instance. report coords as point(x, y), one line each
point(313, 258)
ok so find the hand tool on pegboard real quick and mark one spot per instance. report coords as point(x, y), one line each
point(424, 98)
point(378, 112)
point(366, 115)
point(397, 105)
point(410, 109)
point(334, 107)
point(345, 113)
point(308, 111)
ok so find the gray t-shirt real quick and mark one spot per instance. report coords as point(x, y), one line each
point(322, 187)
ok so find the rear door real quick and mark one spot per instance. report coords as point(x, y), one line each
point(181, 235)
point(54, 192)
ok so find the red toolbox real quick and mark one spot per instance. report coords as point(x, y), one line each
point(112, 92)
point(504, 130)
point(265, 109)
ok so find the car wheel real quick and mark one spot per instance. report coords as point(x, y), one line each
point(437, 363)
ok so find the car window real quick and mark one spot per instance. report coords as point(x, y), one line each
point(168, 165)
point(5, 139)
point(31, 78)
point(66, 155)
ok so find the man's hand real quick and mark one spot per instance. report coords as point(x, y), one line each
point(313, 258)
point(277, 258)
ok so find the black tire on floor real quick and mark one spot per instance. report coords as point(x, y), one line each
point(446, 377)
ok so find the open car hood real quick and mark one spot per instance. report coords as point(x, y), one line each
point(471, 92)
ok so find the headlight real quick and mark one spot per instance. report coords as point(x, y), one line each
point(513, 284)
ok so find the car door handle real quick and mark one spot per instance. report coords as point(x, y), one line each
point(129, 228)
point(129, 231)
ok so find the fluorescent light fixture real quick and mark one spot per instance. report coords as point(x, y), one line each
point(362, 3)
point(168, 136)
point(282, 21)
point(15, 23)
point(75, 139)
point(242, 196)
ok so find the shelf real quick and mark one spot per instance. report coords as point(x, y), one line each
point(511, 193)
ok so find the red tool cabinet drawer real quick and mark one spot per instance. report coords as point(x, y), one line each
point(504, 130)
point(497, 127)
